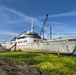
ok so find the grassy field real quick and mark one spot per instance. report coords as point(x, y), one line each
point(50, 64)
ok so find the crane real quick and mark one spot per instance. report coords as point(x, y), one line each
point(42, 29)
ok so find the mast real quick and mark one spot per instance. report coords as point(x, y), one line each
point(32, 26)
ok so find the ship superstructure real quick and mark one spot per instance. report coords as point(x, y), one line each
point(31, 41)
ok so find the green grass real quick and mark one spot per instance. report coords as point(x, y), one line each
point(50, 64)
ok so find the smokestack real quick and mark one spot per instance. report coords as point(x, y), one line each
point(50, 33)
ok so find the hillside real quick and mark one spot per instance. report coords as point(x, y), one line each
point(50, 64)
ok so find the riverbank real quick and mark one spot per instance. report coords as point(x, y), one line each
point(50, 64)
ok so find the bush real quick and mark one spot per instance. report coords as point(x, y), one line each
point(49, 63)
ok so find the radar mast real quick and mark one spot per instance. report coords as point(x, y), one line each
point(32, 26)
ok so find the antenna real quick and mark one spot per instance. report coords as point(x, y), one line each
point(32, 26)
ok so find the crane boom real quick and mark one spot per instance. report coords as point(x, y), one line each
point(42, 29)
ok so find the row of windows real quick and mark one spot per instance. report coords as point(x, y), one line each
point(22, 41)
point(26, 41)
point(72, 39)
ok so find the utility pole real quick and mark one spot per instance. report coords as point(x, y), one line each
point(50, 32)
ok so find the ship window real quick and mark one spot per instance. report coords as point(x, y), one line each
point(34, 40)
point(22, 41)
point(25, 41)
point(19, 42)
point(72, 39)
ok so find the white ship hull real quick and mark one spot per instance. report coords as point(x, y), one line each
point(64, 47)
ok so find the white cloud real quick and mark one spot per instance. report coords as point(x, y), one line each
point(11, 16)
point(8, 33)
point(66, 14)
point(56, 23)
point(72, 13)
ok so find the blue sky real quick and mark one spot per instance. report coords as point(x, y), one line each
point(16, 15)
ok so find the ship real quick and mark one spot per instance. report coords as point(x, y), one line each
point(31, 41)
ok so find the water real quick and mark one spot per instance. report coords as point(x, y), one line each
point(74, 54)
point(0, 47)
